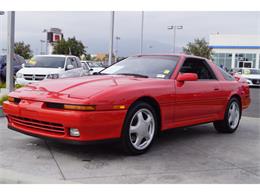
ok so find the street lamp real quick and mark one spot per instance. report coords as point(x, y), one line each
point(42, 41)
point(46, 46)
point(116, 51)
point(111, 44)
point(1, 36)
point(174, 28)
point(142, 33)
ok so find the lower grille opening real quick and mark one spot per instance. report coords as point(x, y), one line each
point(37, 125)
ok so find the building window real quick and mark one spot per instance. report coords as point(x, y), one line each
point(223, 60)
point(247, 60)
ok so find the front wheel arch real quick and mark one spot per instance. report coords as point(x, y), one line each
point(152, 102)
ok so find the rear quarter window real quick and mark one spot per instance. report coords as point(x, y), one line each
point(226, 75)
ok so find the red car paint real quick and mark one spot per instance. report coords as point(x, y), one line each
point(181, 104)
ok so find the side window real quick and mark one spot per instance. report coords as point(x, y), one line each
point(68, 61)
point(78, 63)
point(74, 62)
point(71, 61)
point(226, 76)
point(198, 66)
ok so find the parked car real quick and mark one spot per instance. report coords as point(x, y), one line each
point(132, 100)
point(43, 67)
point(95, 66)
point(252, 75)
point(18, 61)
point(86, 67)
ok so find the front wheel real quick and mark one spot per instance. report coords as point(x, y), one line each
point(232, 118)
point(140, 128)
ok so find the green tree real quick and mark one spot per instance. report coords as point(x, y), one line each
point(23, 50)
point(72, 46)
point(199, 47)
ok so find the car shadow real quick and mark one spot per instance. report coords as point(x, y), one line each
point(112, 150)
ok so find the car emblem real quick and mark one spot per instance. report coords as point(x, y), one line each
point(33, 77)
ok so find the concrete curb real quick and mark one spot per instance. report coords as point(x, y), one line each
point(12, 177)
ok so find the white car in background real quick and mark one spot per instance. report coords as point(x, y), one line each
point(252, 75)
point(42, 67)
point(94, 66)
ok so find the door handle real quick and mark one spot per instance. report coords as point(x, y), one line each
point(216, 89)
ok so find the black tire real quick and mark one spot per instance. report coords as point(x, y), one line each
point(224, 126)
point(126, 143)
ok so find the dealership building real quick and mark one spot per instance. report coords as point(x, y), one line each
point(233, 51)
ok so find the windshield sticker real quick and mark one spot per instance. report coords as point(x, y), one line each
point(32, 61)
point(246, 71)
point(166, 71)
point(160, 75)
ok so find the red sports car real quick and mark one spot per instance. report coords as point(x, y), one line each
point(132, 100)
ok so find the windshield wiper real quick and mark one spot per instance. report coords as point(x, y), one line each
point(133, 74)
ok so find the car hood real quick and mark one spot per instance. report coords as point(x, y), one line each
point(83, 87)
point(42, 71)
point(251, 76)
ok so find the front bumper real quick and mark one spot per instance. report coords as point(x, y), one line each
point(30, 117)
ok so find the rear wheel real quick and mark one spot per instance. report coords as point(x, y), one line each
point(140, 128)
point(232, 118)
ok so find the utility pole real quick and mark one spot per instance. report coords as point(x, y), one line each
point(46, 42)
point(10, 51)
point(110, 55)
point(42, 41)
point(116, 51)
point(142, 33)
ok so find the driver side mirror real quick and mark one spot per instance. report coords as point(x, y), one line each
point(70, 67)
point(187, 77)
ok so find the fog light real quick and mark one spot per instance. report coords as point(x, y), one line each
point(74, 132)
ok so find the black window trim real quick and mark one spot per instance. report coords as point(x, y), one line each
point(206, 64)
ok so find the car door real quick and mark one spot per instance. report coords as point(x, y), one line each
point(197, 99)
point(70, 72)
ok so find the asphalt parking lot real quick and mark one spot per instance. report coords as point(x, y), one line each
point(187, 155)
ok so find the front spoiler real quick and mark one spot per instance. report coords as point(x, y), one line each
point(65, 141)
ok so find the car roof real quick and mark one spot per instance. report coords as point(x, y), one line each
point(56, 55)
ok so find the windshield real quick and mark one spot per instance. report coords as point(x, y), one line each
point(94, 65)
point(251, 71)
point(149, 66)
point(46, 62)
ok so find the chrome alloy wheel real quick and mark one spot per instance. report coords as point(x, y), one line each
point(233, 115)
point(142, 128)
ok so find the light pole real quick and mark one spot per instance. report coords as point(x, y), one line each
point(10, 51)
point(42, 41)
point(1, 36)
point(174, 28)
point(110, 55)
point(142, 33)
point(46, 46)
point(116, 51)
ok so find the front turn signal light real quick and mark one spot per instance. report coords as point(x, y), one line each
point(10, 99)
point(119, 107)
point(79, 107)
